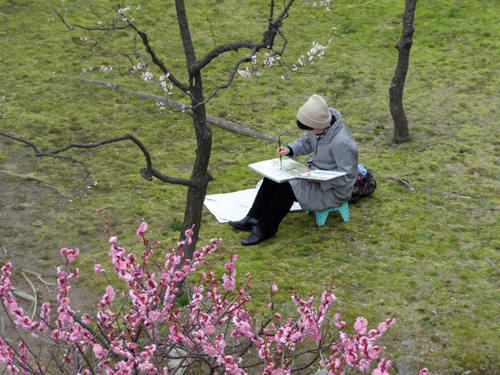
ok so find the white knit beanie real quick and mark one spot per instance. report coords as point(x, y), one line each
point(315, 113)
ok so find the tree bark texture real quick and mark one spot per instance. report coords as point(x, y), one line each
point(401, 131)
point(200, 175)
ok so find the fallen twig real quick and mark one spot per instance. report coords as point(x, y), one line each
point(34, 293)
point(407, 183)
point(449, 195)
point(225, 124)
point(32, 178)
point(23, 295)
point(492, 264)
point(40, 240)
point(40, 277)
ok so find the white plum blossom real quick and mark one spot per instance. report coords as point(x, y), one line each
point(269, 60)
point(316, 50)
point(164, 77)
point(244, 72)
point(166, 87)
point(147, 76)
point(123, 9)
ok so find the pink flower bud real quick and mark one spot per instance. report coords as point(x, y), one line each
point(98, 269)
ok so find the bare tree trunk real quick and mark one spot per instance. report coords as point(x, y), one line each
point(401, 132)
point(201, 176)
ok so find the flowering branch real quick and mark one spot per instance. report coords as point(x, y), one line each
point(149, 329)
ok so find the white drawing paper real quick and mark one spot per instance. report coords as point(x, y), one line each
point(289, 169)
point(234, 206)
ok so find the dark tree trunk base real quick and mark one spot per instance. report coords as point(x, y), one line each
point(401, 131)
point(399, 140)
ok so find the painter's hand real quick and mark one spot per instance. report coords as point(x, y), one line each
point(282, 151)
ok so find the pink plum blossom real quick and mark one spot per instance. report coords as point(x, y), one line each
point(360, 325)
point(139, 320)
point(98, 269)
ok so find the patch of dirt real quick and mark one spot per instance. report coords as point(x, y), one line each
point(24, 208)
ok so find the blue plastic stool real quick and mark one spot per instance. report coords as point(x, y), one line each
point(322, 215)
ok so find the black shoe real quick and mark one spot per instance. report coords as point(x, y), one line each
point(257, 236)
point(247, 223)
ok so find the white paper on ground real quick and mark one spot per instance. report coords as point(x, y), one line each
point(234, 206)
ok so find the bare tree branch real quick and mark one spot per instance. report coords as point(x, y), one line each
point(34, 295)
point(50, 153)
point(492, 264)
point(446, 194)
point(158, 62)
point(40, 277)
point(267, 42)
point(406, 182)
point(217, 121)
point(147, 172)
point(77, 26)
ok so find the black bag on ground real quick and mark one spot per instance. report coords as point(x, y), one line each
point(363, 187)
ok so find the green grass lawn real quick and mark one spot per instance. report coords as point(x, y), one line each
point(419, 257)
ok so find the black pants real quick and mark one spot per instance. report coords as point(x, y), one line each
point(272, 203)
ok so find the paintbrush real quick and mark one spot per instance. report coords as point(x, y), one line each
point(279, 149)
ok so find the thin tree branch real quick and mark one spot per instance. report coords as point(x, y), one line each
point(76, 26)
point(34, 294)
point(147, 172)
point(40, 277)
point(449, 195)
point(492, 264)
point(159, 62)
point(406, 182)
point(224, 124)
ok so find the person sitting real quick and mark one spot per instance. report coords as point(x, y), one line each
point(333, 148)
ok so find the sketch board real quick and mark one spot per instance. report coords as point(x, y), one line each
point(290, 169)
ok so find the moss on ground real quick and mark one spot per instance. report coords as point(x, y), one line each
point(420, 257)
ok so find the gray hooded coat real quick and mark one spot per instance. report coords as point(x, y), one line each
point(336, 151)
